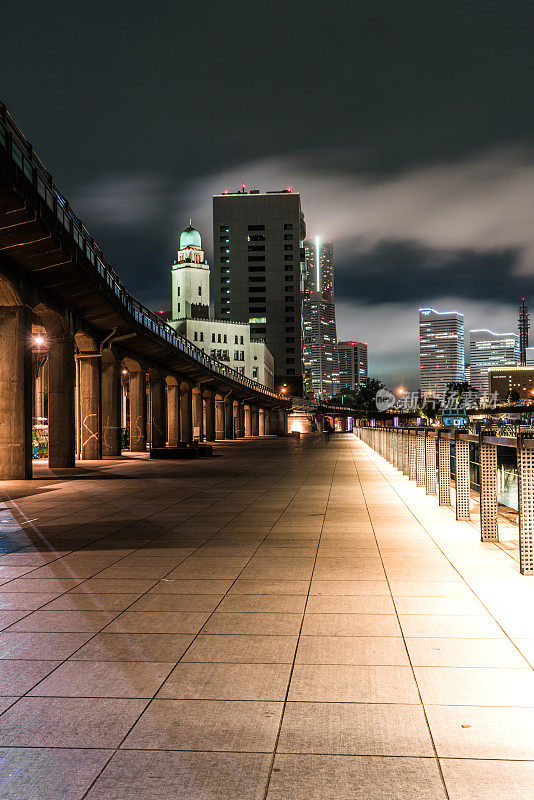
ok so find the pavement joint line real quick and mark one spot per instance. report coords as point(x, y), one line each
point(444, 554)
point(414, 676)
point(279, 479)
point(288, 688)
point(127, 607)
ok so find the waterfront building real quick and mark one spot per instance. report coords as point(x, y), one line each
point(257, 239)
point(441, 349)
point(353, 369)
point(488, 349)
point(227, 340)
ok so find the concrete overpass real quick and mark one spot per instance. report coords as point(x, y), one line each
point(63, 305)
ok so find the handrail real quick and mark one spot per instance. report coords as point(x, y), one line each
point(23, 155)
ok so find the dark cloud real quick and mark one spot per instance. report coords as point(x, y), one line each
point(406, 126)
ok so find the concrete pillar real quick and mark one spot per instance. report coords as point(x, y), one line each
point(273, 422)
point(240, 421)
point(420, 456)
point(282, 422)
point(525, 474)
point(248, 421)
point(267, 421)
point(430, 475)
point(219, 419)
point(15, 393)
point(137, 411)
point(261, 422)
point(198, 415)
point(186, 415)
point(255, 420)
point(412, 456)
point(461, 479)
point(228, 418)
point(173, 414)
point(40, 369)
point(61, 386)
point(489, 531)
point(444, 471)
point(157, 411)
point(210, 416)
point(110, 382)
point(90, 408)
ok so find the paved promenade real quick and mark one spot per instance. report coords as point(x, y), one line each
point(285, 621)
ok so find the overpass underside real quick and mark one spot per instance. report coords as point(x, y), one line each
point(84, 360)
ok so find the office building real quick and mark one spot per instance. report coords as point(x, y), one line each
point(321, 370)
point(227, 340)
point(504, 380)
point(488, 349)
point(441, 349)
point(352, 358)
point(257, 241)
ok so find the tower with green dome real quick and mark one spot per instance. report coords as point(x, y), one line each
point(190, 278)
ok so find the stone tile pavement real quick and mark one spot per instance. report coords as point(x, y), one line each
point(287, 621)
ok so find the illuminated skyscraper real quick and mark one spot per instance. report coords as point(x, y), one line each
point(441, 349)
point(488, 349)
point(523, 322)
point(352, 357)
point(321, 370)
point(257, 239)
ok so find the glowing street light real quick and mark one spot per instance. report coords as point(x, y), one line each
point(38, 340)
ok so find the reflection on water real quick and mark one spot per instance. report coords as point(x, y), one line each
point(506, 473)
point(507, 486)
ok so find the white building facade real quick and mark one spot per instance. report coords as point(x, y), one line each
point(441, 349)
point(488, 349)
point(228, 341)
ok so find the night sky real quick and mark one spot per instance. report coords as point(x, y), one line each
point(408, 128)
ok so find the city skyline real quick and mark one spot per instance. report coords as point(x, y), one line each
point(423, 213)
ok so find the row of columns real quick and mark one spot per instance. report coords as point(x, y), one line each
point(425, 457)
point(85, 399)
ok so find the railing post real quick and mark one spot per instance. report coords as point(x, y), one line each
point(444, 470)
point(461, 478)
point(420, 454)
point(489, 529)
point(430, 475)
point(405, 452)
point(412, 455)
point(525, 474)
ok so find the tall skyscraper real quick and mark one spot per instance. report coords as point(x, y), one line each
point(441, 349)
point(523, 323)
point(488, 349)
point(352, 357)
point(257, 241)
point(321, 369)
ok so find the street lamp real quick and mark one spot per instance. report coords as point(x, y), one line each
point(38, 340)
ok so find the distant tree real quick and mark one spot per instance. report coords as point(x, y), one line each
point(345, 398)
point(513, 396)
point(366, 398)
point(457, 391)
